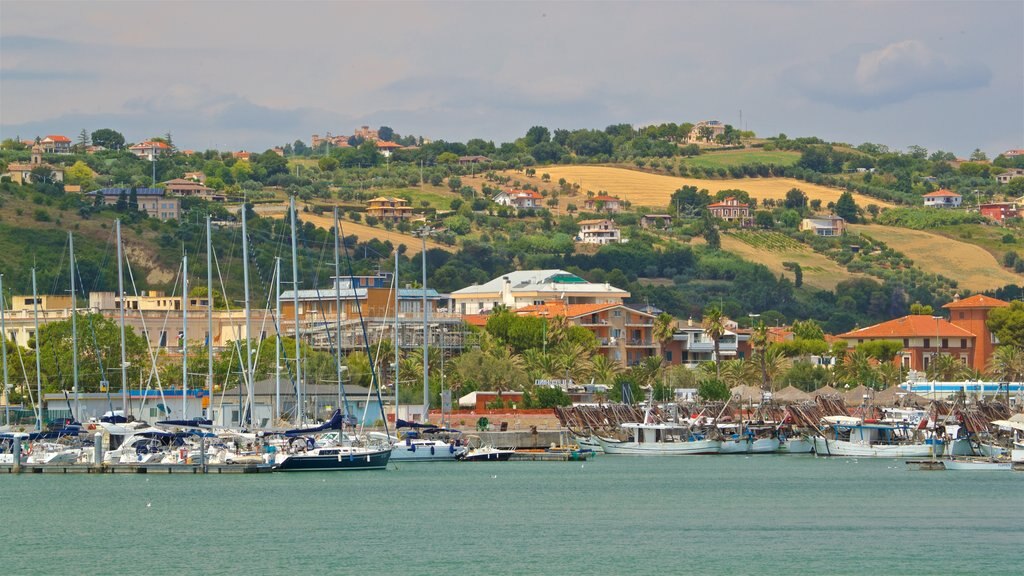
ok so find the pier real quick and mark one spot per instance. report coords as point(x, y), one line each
point(134, 469)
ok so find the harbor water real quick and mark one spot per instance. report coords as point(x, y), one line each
point(610, 515)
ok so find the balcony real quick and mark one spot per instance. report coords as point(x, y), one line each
point(640, 343)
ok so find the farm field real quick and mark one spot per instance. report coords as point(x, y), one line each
point(740, 157)
point(773, 248)
point(645, 189)
point(973, 267)
point(362, 231)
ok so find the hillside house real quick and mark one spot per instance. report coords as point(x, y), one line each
point(1014, 153)
point(150, 150)
point(599, 232)
point(1005, 177)
point(690, 345)
point(56, 144)
point(523, 288)
point(183, 187)
point(999, 211)
point(824, 225)
point(389, 209)
point(464, 160)
point(522, 199)
point(624, 334)
point(658, 221)
point(153, 201)
point(923, 338)
point(603, 203)
point(730, 210)
point(717, 129)
point(387, 148)
point(942, 199)
point(21, 173)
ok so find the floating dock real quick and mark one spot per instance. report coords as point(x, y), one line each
point(543, 456)
point(135, 469)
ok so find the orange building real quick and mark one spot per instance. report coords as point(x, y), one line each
point(393, 209)
point(970, 314)
point(623, 334)
point(923, 338)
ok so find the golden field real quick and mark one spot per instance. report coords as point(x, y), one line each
point(818, 270)
point(644, 189)
point(973, 267)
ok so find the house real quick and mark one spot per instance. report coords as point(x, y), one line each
point(21, 173)
point(824, 225)
point(56, 144)
point(152, 201)
point(660, 221)
point(716, 129)
point(690, 345)
point(1013, 153)
point(1005, 177)
point(479, 400)
point(923, 338)
point(367, 133)
point(242, 155)
point(195, 177)
point(337, 141)
point(970, 314)
point(183, 187)
point(999, 211)
point(463, 160)
point(389, 209)
point(523, 288)
point(150, 150)
point(624, 334)
point(522, 199)
point(598, 232)
point(387, 148)
point(730, 210)
point(604, 203)
point(942, 199)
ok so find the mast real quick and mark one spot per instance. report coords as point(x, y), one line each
point(277, 338)
point(396, 338)
point(184, 337)
point(337, 308)
point(120, 292)
point(39, 378)
point(209, 321)
point(74, 327)
point(426, 334)
point(247, 376)
point(298, 331)
point(3, 330)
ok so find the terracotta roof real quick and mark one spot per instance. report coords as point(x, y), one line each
point(57, 138)
point(977, 301)
point(582, 222)
point(941, 194)
point(476, 319)
point(150, 145)
point(913, 326)
point(382, 144)
point(604, 198)
point(729, 202)
point(566, 310)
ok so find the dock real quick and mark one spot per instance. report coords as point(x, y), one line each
point(135, 469)
point(925, 465)
point(543, 456)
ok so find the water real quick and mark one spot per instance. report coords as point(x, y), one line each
point(611, 515)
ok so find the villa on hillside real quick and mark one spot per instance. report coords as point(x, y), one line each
point(150, 150)
point(599, 232)
point(730, 210)
point(152, 201)
point(604, 203)
point(1005, 177)
point(183, 187)
point(824, 225)
point(624, 334)
point(526, 199)
point(389, 209)
point(21, 173)
point(942, 199)
point(523, 288)
point(717, 129)
point(56, 144)
point(660, 221)
point(1000, 211)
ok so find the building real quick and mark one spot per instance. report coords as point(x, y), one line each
point(624, 334)
point(824, 225)
point(942, 199)
point(150, 405)
point(923, 338)
point(1013, 153)
point(195, 177)
point(387, 148)
point(242, 155)
point(598, 232)
point(523, 288)
point(730, 210)
point(152, 201)
point(150, 150)
point(999, 211)
point(337, 141)
point(970, 314)
point(21, 173)
point(691, 345)
point(463, 160)
point(367, 133)
point(183, 187)
point(56, 144)
point(389, 209)
point(716, 129)
point(479, 400)
point(1005, 177)
point(659, 221)
point(603, 203)
point(521, 199)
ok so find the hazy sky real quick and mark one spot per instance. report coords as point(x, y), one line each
point(249, 75)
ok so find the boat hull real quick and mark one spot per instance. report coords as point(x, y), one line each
point(426, 452)
point(375, 460)
point(741, 446)
point(487, 455)
point(968, 465)
point(798, 445)
point(764, 446)
point(696, 447)
point(831, 447)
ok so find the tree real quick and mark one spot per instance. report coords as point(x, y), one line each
point(122, 201)
point(881, 350)
point(99, 349)
point(108, 138)
point(664, 328)
point(918, 309)
point(713, 389)
point(978, 156)
point(1007, 364)
point(79, 173)
point(1007, 323)
point(808, 330)
point(385, 133)
point(83, 140)
point(714, 326)
point(133, 200)
point(946, 368)
point(764, 219)
point(846, 207)
point(537, 135)
point(448, 158)
point(759, 341)
point(795, 199)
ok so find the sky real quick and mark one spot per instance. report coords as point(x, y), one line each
point(252, 75)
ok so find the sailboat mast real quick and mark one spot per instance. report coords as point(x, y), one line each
point(39, 378)
point(74, 327)
point(248, 314)
point(396, 337)
point(337, 306)
point(120, 292)
point(298, 331)
point(277, 338)
point(184, 336)
point(426, 335)
point(209, 321)
point(3, 330)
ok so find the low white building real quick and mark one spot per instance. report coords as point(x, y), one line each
point(942, 199)
point(524, 288)
point(599, 232)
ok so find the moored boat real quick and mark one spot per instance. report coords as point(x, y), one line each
point(851, 436)
point(662, 439)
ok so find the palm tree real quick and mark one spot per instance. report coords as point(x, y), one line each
point(573, 360)
point(734, 372)
point(1007, 363)
point(603, 370)
point(946, 367)
point(889, 374)
point(714, 326)
point(759, 340)
point(664, 329)
point(773, 365)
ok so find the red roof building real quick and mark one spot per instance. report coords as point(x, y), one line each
point(970, 314)
point(923, 338)
point(999, 211)
point(942, 199)
point(730, 210)
point(603, 202)
point(56, 144)
point(623, 334)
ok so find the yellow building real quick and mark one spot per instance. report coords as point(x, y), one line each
point(393, 209)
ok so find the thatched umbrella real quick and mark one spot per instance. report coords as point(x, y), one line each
point(791, 394)
point(823, 391)
point(855, 397)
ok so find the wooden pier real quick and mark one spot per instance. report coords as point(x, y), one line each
point(542, 456)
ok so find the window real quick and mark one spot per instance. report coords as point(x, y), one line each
point(906, 342)
point(163, 338)
point(960, 315)
point(668, 355)
point(963, 342)
point(927, 342)
point(945, 342)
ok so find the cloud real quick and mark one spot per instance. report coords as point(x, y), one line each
point(863, 77)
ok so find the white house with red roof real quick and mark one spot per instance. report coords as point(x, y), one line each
point(942, 199)
point(730, 209)
point(56, 144)
point(1013, 153)
point(527, 199)
point(387, 148)
point(150, 150)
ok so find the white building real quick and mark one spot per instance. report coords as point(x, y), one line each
point(599, 232)
point(524, 288)
point(942, 199)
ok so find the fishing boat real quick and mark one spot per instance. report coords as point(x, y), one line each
point(1017, 453)
point(659, 439)
point(852, 436)
point(977, 464)
point(798, 444)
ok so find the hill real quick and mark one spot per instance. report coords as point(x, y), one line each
point(773, 249)
point(645, 189)
point(973, 267)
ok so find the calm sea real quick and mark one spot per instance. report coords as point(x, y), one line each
point(612, 515)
